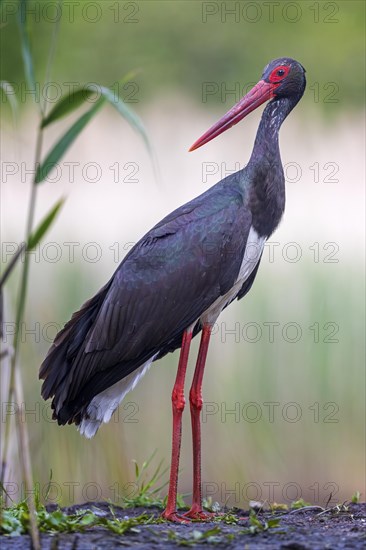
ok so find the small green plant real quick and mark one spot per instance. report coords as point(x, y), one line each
point(146, 493)
point(278, 507)
point(257, 526)
point(148, 488)
point(122, 526)
point(229, 518)
point(297, 504)
point(356, 497)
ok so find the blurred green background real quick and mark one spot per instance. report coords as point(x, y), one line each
point(284, 416)
point(178, 45)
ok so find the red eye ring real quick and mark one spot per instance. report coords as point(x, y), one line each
point(279, 73)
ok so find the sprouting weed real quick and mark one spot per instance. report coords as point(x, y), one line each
point(301, 503)
point(148, 489)
point(257, 526)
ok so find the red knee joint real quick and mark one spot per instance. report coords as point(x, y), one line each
point(195, 400)
point(178, 400)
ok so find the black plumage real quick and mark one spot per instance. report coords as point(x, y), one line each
point(175, 272)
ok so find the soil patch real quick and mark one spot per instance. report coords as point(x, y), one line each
point(304, 529)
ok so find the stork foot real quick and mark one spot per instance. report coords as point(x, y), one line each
point(199, 515)
point(174, 517)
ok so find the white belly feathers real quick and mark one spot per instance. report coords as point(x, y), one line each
point(253, 251)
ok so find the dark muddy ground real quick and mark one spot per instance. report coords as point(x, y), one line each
point(303, 529)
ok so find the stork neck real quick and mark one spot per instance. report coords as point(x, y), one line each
point(265, 172)
point(266, 145)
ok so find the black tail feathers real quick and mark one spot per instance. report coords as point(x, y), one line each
point(56, 370)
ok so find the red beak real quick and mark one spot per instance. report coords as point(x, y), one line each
point(263, 91)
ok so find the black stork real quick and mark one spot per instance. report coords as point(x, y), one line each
point(174, 283)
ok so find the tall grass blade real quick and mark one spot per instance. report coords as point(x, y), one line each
point(68, 104)
point(43, 227)
point(26, 53)
point(64, 143)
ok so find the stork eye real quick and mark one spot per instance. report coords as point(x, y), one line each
point(279, 73)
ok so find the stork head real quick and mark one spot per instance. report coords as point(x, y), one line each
point(283, 77)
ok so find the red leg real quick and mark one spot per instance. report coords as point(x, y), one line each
point(178, 402)
point(195, 400)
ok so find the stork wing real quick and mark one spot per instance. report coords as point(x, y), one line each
point(164, 284)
